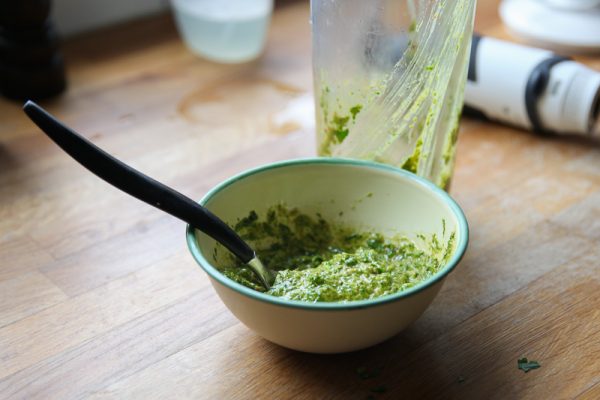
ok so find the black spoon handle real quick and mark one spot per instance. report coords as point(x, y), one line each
point(137, 184)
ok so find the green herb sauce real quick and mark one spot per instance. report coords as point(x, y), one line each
point(317, 261)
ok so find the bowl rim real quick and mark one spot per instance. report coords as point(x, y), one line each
point(215, 274)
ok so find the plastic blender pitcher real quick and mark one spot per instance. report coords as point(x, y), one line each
point(389, 77)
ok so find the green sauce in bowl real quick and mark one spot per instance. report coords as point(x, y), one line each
point(322, 262)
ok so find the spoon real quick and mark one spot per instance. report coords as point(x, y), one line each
point(144, 188)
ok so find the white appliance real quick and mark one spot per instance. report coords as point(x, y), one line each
point(566, 26)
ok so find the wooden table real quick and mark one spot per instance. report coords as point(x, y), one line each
point(100, 298)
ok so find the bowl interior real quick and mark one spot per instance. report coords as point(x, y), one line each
point(363, 195)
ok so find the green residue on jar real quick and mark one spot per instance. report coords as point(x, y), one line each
point(450, 144)
point(445, 176)
point(412, 163)
point(317, 261)
point(355, 110)
point(337, 127)
point(445, 179)
point(323, 102)
point(412, 27)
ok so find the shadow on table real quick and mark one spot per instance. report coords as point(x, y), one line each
point(397, 369)
point(382, 371)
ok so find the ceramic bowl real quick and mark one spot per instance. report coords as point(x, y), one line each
point(360, 194)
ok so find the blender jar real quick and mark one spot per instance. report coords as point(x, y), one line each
point(389, 77)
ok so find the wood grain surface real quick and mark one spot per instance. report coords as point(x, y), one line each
point(100, 298)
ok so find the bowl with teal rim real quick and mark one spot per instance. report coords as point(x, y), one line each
point(366, 196)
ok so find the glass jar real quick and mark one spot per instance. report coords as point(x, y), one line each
point(389, 77)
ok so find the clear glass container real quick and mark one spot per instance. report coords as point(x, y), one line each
point(389, 77)
point(227, 31)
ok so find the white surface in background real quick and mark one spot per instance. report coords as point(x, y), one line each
point(75, 16)
point(573, 4)
point(565, 31)
point(299, 112)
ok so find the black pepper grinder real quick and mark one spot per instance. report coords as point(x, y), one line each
point(31, 66)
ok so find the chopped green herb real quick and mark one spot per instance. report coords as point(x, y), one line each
point(461, 379)
point(364, 373)
point(526, 365)
point(379, 389)
point(247, 221)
